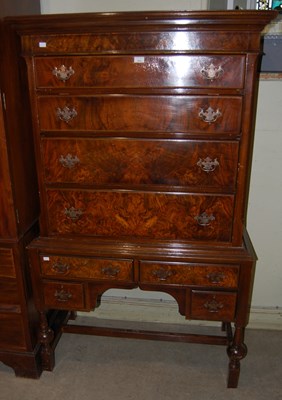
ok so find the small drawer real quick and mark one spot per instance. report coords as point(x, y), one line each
point(201, 115)
point(214, 306)
point(87, 268)
point(135, 71)
point(185, 274)
point(64, 296)
point(7, 265)
point(141, 162)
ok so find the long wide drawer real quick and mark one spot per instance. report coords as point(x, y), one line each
point(138, 162)
point(184, 274)
point(133, 71)
point(86, 268)
point(140, 214)
point(126, 41)
point(190, 114)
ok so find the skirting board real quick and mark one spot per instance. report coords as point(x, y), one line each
point(166, 311)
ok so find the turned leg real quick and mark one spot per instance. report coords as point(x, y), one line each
point(46, 336)
point(236, 352)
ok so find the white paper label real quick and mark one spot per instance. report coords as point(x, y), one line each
point(139, 59)
point(42, 44)
point(46, 258)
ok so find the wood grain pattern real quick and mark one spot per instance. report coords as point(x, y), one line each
point(189, 274)
point(137, 71)
point(139, 162)
point(7, 263)
point(12, 332)
point(87, 268)
point(213, 306)
point(138, 113)
point(147, 215)
point(9, 296)
point(136, 42)
point(62, 295)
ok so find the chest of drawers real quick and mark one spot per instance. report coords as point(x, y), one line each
point(143, 127)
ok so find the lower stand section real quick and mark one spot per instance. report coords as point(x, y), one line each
point(208, 284)
point(236, 349)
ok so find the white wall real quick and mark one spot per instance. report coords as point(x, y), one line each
point(264, 214)
point(264, 211)
point(70, 6)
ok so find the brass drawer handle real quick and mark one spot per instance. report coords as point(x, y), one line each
point(215, 277)
point(209, 115)
point(111, 271)
point(66, 114)
point(69, 161)
point(207, 164)
point(63, 73)
point(212, 72)
point(213, 306)
point(62, 295)
point(73, 213)
point(162, 274)
point(204, 219)
point(60, 268)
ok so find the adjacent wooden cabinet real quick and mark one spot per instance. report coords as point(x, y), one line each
point(19, 210)
point(143, 128)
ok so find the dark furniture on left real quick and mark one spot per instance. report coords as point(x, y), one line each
point(18, 210)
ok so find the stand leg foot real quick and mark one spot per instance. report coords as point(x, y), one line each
point(236, 352)
point(46, 336)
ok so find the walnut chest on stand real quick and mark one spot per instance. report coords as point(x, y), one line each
point(143, 128)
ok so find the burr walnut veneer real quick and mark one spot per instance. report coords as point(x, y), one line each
point(143, 126)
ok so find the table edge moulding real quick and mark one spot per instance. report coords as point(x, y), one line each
point(143, 125)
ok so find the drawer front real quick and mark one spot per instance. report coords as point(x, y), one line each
point(64, 296)
point(87, 268)
point(138, 162)
point(214, 306)
point(191, 114)
point(107, 42)
point(189, 274)
point(9, 297)
point(148, 215)
point(140, 71)
point(11, 332)
point(7, 266)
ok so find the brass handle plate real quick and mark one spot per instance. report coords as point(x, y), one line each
point(63, 73)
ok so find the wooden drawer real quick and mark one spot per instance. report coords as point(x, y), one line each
point(11, 331)
point(190, 114)
point(141, 162)
point(64, 296)
point(189, 274)
point(140, 214)
point(7, 266)
point(214, 306)
point(140, 71)
point(87, 268)
point(135, 41)
point(9, 296)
